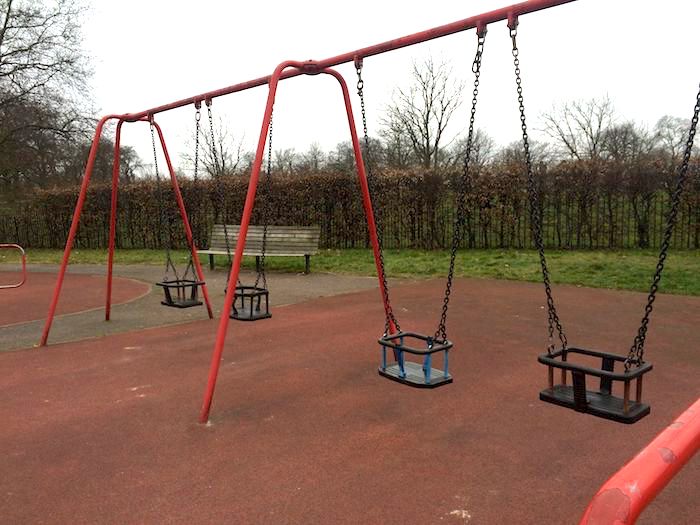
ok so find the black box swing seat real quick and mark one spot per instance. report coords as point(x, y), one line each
point(181, 293)
point(420, 375)
point(250, 303)
point(600, 402)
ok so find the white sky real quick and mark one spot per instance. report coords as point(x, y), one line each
point(642, 53)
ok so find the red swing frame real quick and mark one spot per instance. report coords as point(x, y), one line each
point(284, 70)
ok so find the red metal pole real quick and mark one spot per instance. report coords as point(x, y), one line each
point(484, 19)
point(185, 220)
point(113, 217)
point(625, 495)
point(240, 244)
point(74, 226)
point(364, 188)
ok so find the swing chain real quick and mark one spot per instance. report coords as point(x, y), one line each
point(636, 353)
point(220, 205)
point(266, 209)
point(161, 210)
point(464, 189)
point(371, 186)
point(197, 118)
point(535, 207)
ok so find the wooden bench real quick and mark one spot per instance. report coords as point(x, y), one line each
point(282, 241)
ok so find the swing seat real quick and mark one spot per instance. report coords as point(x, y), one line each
point(599, 402)
point(419, 375)
point(181, 293)
point(250, 303)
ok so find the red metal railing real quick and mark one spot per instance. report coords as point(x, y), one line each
point(625, 495)
point(23, 257)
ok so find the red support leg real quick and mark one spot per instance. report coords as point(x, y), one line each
point(240, 244)
point(364, 188)
point(308, 68)
point(185, 220)
point(73, 228)
point(113, 217)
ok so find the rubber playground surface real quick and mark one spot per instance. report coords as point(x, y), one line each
point(304, 430)
point(81, 292)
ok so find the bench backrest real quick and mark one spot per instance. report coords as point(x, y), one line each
point(283, 240)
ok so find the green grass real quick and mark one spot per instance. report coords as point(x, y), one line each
point(627, 270)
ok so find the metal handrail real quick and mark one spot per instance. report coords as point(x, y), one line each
point(24, 265)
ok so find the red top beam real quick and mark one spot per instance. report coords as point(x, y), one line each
point(484, 19)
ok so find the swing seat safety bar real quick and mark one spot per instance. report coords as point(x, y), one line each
point(250, 303)
point(420, 375)
point(600, 402)
point(23, 257)
point(186, 293)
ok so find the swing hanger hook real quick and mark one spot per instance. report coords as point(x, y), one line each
point(481, 30)
point(208, 102)
point(513, 27)
point(358, 62)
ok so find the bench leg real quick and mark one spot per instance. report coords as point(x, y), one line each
point(307, 266)
point(211, 261)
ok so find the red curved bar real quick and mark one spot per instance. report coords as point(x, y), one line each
point(309, 67)
point(628, 492)
point(24, 265)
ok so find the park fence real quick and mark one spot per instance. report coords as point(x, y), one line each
point(583, 206)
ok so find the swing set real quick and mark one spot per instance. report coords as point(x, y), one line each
point(250, 302)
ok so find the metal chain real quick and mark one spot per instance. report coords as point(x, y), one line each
point(266, 207)
point(371, 186)
point(464, 190)
point(218, 189)
point(197, 117)
point(636, 353)
point(161, 210)
point(536, 210)
point(220, 200)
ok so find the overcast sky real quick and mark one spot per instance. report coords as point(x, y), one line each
point(641, 53)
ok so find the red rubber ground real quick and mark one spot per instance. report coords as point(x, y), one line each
point(305, 431)
point(80, 292)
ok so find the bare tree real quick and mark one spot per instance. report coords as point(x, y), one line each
point(578, 127)
point(313, 159)
point(424, 109)
point(626, 142)
point(399, 151)
point(483, 150)
point(43, 82)
point(221, 155)
point(285, 160)
point(41, 58)
point(540, 153)
point(671, 134)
